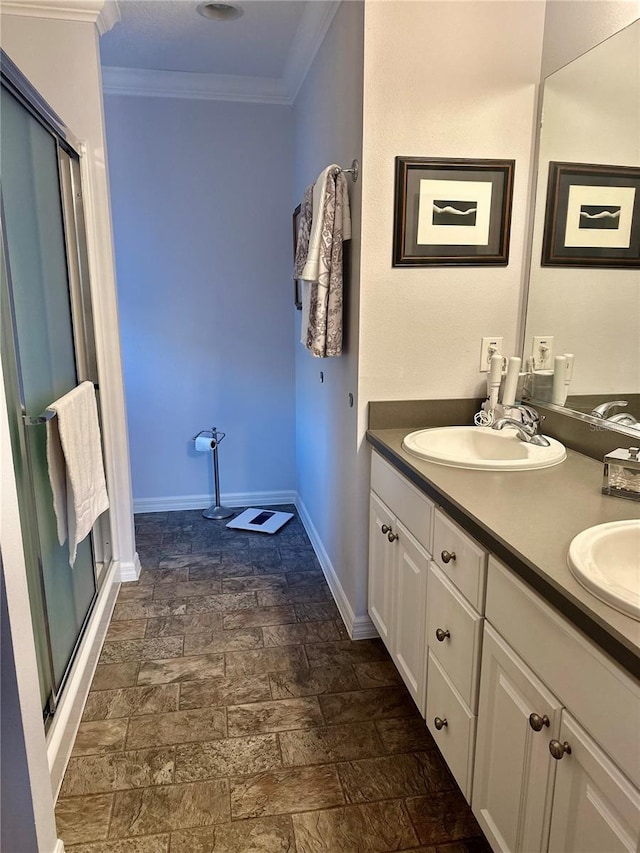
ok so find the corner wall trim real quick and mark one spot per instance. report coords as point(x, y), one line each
point(178, 502)
point(129, 571)
point(59, 848)
point(359, 627)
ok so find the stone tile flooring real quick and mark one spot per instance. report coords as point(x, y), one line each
point(230, 713)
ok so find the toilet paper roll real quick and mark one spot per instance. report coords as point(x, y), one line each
point(203, 442)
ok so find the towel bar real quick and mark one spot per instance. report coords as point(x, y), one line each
point(34, 420)
point(38, 419)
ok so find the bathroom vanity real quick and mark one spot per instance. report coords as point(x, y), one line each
point(528, 683)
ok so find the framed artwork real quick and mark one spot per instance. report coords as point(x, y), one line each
point(592, 216)
point(297, 293)
point(451, 212)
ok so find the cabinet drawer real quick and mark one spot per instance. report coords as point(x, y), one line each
point(598, 693)
point(455, 740)
point(458, 653)
point(413, 508)
point(466, 566)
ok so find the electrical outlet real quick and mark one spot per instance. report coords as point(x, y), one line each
point(490, 346)
point(542, 352)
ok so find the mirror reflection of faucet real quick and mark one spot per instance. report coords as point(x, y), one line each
point(622, 418)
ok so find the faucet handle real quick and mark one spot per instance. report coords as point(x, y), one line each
point(529, 415)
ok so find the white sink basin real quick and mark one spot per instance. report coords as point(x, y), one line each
point(481, 447)
point(606, 560)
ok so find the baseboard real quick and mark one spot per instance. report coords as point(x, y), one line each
point(178, 502)
point(129, 571)
point(64, 727)
point(363, 629)
point(359, 627)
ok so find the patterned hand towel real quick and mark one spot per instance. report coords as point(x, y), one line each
point(333, 226)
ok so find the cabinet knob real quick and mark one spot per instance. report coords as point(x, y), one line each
point(392, 536)
point(385, 529)
point(537, 722)
point(558, 749)
point(439, 723)
point(441, 635)
point(448, 556)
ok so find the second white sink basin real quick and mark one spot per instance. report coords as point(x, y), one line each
point(481, 447)
point(605, 559)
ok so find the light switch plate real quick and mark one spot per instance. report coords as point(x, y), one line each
point(490, 346)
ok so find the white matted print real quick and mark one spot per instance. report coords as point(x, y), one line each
point(443, 203)
point(599, 217)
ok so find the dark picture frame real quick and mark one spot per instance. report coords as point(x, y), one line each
point(297, 291)
point(451, 212)
point(592, 216)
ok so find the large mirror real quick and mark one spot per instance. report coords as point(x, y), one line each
point(590, 115)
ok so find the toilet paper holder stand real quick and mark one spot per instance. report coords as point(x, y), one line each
point(216, 511)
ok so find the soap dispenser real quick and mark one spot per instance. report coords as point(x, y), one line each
point(622, 473)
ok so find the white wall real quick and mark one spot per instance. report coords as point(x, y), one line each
point(202, 226)
point(442, 79)
point(331, 487)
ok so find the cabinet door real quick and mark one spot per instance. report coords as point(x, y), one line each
point(595, 808)
point(514, 771)
point(380, 569)
point(411, 565)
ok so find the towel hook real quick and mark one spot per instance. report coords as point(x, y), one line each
point(354, 171)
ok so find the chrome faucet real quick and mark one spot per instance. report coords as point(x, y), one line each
point(602, 411)
point(526, 428)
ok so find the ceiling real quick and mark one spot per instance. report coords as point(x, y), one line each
point(169, 35)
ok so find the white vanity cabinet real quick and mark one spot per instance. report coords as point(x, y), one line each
point(400, 523)
point(595, 808)
point(513, 769)
point(539, 727)
point(558, 756)
point(454, 640)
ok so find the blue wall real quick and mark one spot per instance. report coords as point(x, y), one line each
point(201, 195)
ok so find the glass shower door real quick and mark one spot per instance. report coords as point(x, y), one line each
point(37, 298)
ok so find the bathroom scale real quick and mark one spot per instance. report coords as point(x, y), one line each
point(260, 520)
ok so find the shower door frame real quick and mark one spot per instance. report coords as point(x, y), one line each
point(84, 345)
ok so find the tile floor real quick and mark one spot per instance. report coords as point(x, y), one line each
point(231, 713)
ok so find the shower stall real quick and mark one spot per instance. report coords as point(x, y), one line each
point(47, 348)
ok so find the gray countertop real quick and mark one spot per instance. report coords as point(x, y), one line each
point(527, 519)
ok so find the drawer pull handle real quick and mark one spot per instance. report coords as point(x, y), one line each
point(558, 749)
point(392, 536)
point(385, 529)
point(537, 722)
point(441, 635)
point(439, 723)
point(448, 556)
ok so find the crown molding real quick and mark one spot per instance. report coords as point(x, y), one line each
point(182, 84)
point(103, 13)
point(312, 29)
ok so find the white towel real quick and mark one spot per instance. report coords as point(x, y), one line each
point(76, 471)
point(311, 269)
